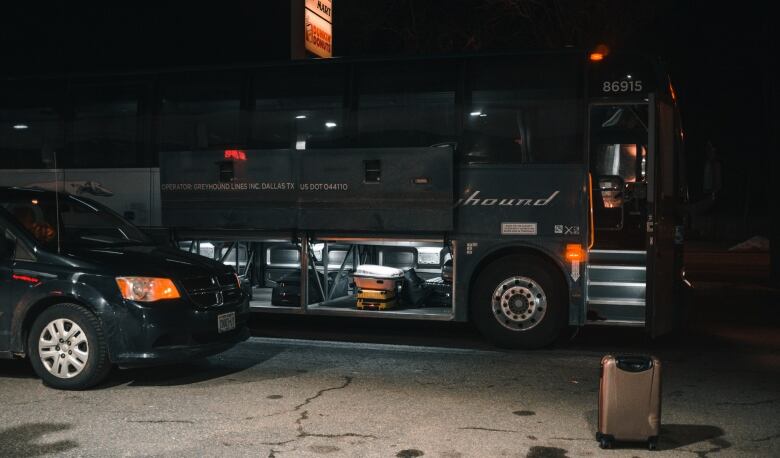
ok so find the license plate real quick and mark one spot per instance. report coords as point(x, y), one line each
point(226, 322)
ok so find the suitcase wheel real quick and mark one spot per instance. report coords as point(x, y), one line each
point(652, 444)
point(605, 442)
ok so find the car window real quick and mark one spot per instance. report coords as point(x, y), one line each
point(82, 222)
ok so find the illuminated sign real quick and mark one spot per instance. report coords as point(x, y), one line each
point(322, 8)
point(236, 154)
point(318, 33)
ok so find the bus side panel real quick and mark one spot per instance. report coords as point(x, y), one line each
point(229, 189)
point(350, 189)
point(538, 208)
point(381, 189)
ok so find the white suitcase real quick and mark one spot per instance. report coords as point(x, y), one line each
point(370, 276)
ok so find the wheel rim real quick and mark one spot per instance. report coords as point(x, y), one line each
point(63, 348)
point(519, 303)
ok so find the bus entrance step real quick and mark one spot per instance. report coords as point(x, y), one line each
point(616, 311)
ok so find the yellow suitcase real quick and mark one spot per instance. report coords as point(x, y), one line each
point(376, 294)
point(375, 304)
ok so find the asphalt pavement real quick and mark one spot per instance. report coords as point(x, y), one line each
point(454, 397)
point(318, 386)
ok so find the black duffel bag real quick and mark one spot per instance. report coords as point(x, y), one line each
point(413, 289)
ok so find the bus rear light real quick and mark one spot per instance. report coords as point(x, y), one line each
point(596, 56)
point(574, 252)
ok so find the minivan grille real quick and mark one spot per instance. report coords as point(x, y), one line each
point(213, 291)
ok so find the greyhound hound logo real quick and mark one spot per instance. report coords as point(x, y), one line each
point(475, 200)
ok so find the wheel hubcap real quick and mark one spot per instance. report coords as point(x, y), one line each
point(63, 348)
point(519, 303)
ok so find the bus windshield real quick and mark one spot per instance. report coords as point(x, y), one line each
point(82, 222)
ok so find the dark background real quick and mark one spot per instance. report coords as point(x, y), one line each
point(722, 60)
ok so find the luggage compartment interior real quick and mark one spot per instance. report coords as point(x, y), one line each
point(419, 283)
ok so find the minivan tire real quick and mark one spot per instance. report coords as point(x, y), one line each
point(93, 343)
point(532, 316)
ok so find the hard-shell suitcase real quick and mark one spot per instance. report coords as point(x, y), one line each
point(446, 271)
point(376, 304)
point(288, 295)
point(370, 276)
point(375, 294)
point(629, 400)
point(287, 291)
point(440, 292)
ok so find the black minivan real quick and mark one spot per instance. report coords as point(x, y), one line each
point(81, 290)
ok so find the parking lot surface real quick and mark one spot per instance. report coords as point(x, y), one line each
point(276, 397)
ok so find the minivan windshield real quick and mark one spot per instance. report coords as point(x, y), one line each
point(82, 222)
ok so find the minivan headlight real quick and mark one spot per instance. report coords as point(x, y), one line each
point(147, 289)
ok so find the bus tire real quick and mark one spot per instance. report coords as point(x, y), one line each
point(67, 347)
point(519, 301)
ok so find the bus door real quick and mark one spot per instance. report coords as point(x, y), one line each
point(663, 250)
point(620, 134)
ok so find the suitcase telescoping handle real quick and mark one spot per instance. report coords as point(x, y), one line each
point(634, 363)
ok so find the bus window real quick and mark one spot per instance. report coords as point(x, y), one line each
point(518, 115)
point(30, 128)
point(200, 111)
point(406, 104)
point(297, 109)
point(618, 163)
point(106, 126)
point(628, 161)
point(619, 142)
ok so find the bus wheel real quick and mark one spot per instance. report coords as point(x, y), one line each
point(519, 302)
point(67, 348)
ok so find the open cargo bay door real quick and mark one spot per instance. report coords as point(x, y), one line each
point(360, 189)
point(663, 253)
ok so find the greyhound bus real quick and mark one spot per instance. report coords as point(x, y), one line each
point(525, 192)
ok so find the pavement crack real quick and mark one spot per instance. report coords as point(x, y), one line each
point(273, 452)
point(189, 422)
point(479, 428)
point(278, 443)
point(337, 436)
point(347, 382)
point(768, 438)
point(752, 403)
point(36, 401)
point(302, 433)
point(304, 415)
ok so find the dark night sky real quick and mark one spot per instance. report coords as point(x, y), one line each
point(717, 56)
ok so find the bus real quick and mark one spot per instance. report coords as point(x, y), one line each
point(526, 192)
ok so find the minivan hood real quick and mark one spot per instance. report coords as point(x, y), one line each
point(147, 260)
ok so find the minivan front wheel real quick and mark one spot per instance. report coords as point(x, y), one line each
point(67, 347)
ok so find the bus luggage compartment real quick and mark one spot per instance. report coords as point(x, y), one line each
point(351, 189)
